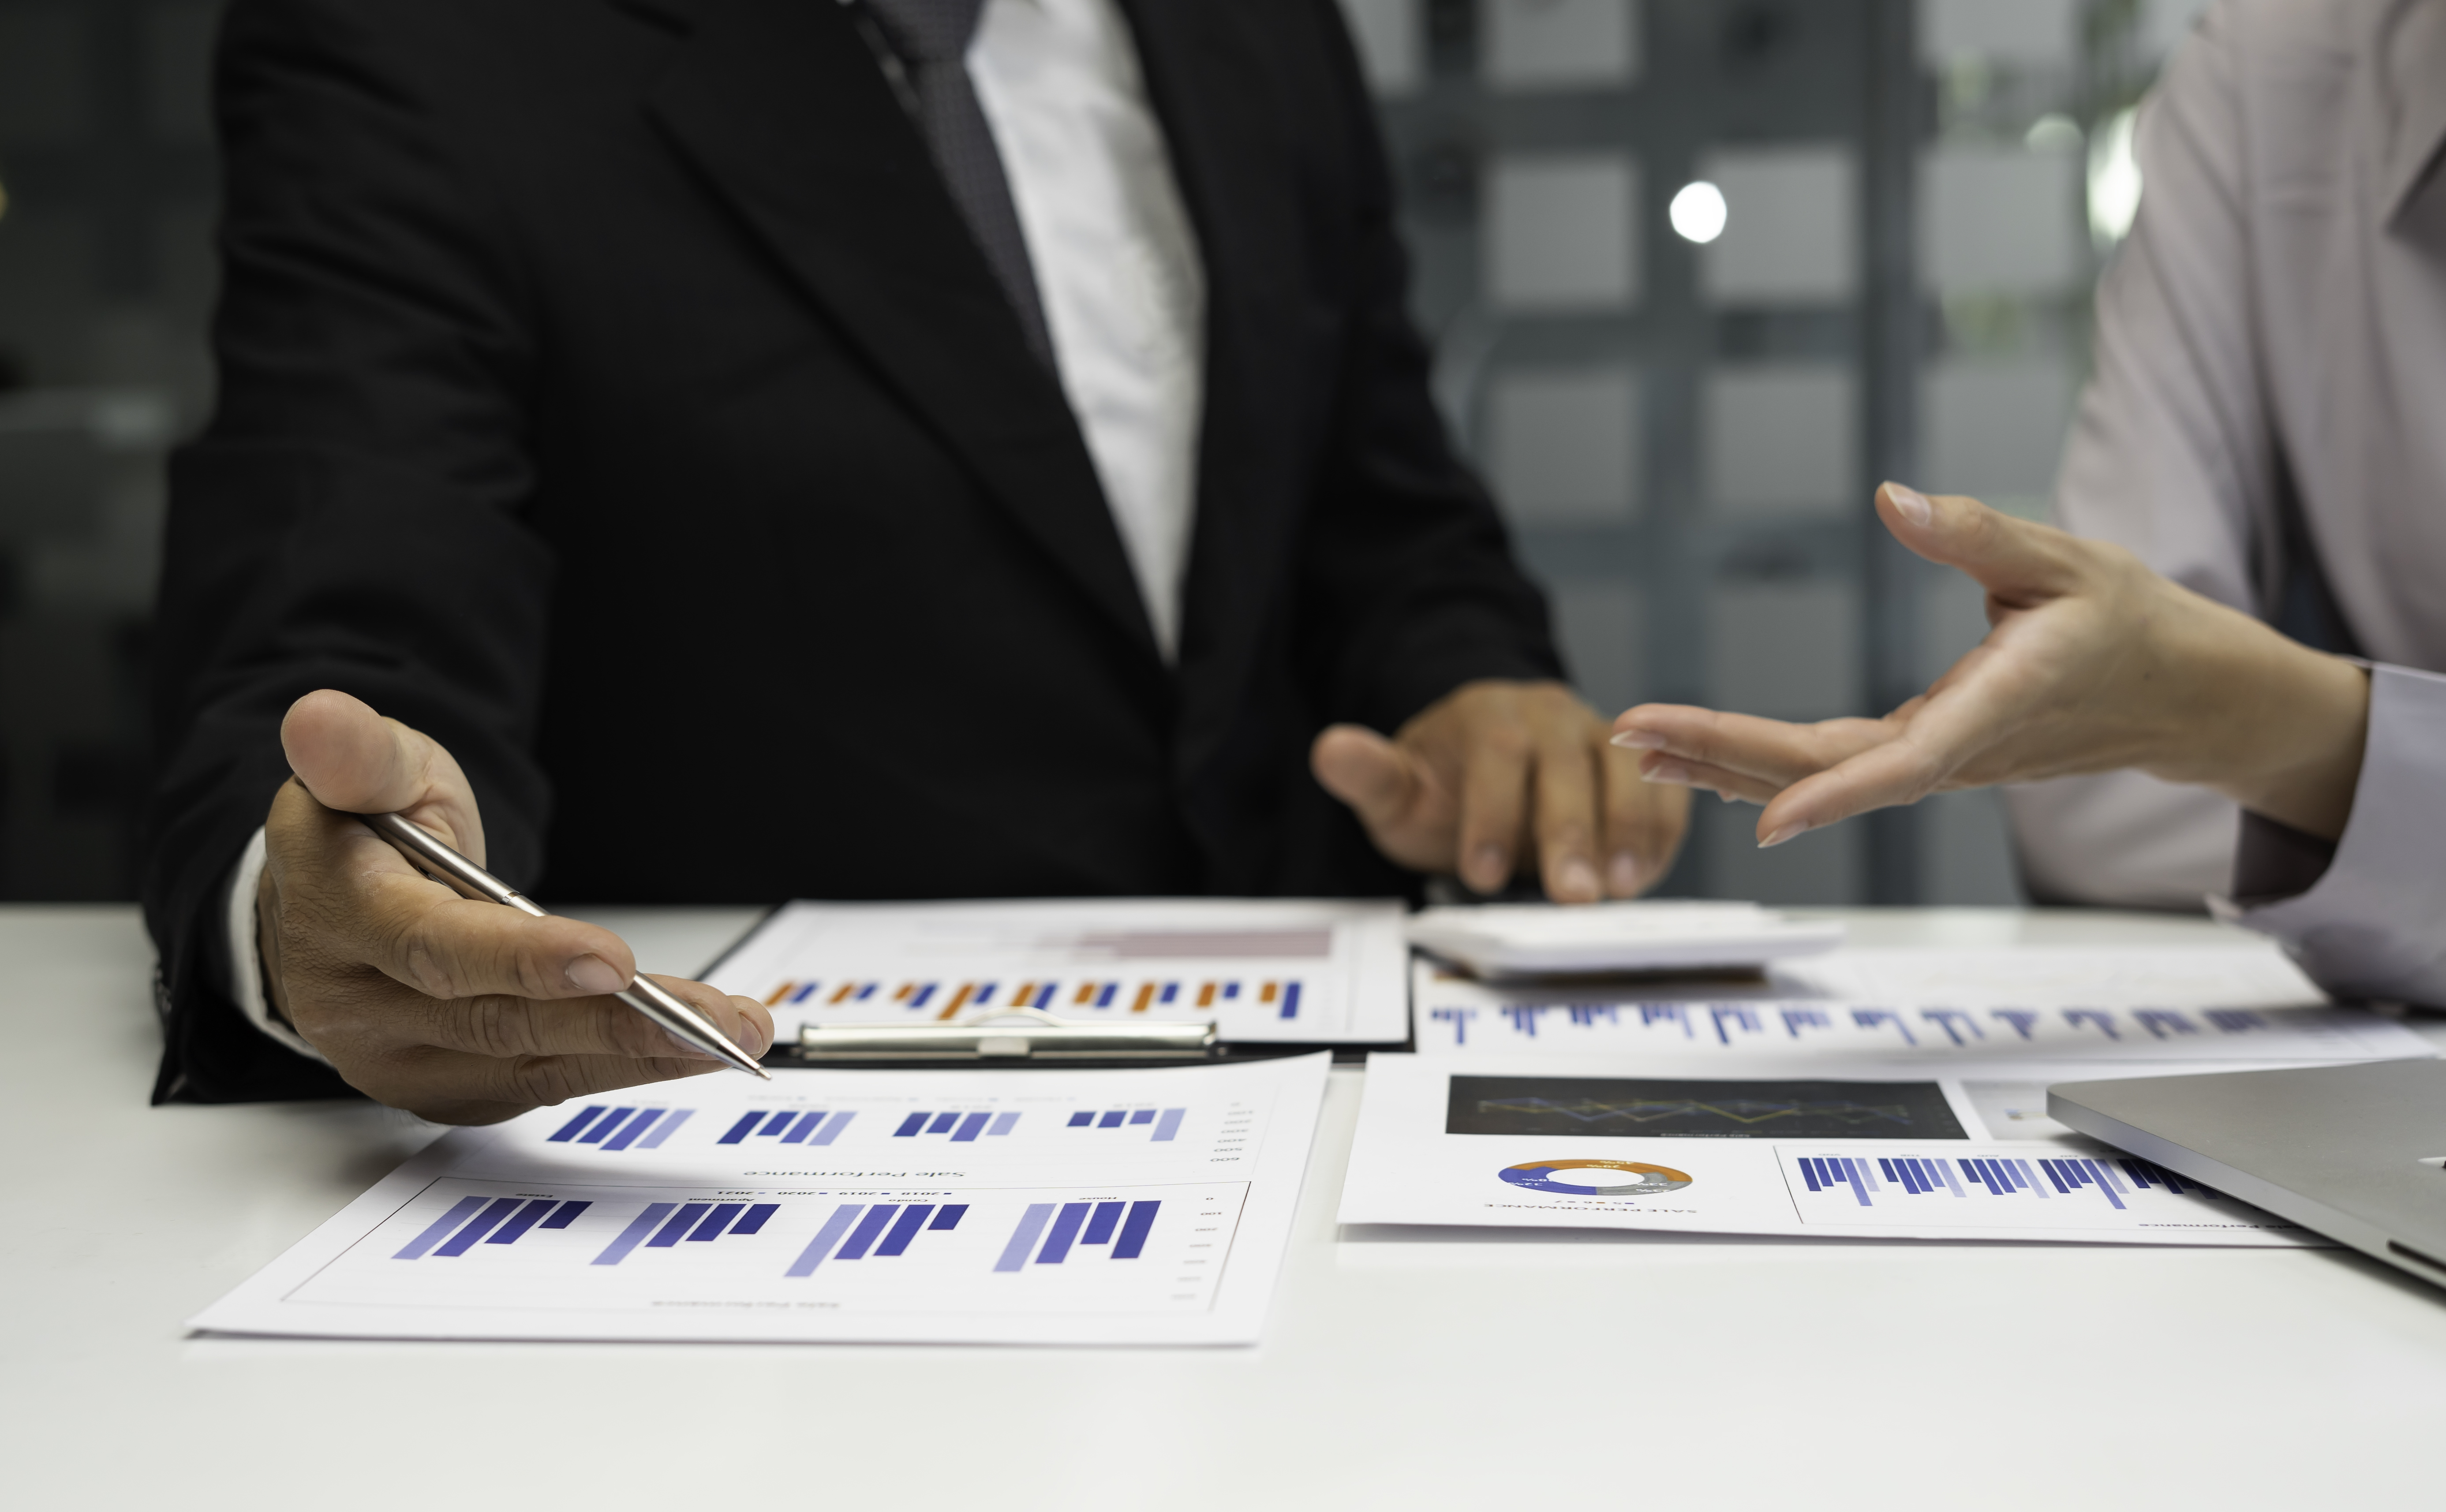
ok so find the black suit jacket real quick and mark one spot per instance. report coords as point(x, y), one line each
point(611, 391)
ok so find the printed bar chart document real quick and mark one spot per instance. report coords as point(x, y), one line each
point(2217, 1007)
point(1760, 1143)
point(955, 1207)
point(1289, 971)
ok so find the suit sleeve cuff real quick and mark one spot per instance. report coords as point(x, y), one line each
point(245, 959)
point(2369, 925)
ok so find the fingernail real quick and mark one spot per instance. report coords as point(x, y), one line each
point(1491, 865)
point(1722, 797)
point(1577, 880)
point(1640, 740)
point(593, 974)
point(1672, 772)
point(1780, 837)
point(1623, 873)
point(1910, 503)
point(748, 1037)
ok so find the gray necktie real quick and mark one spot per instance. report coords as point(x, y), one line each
point(932, 39)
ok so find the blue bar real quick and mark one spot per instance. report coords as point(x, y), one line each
point(432, 1236)
point(636, 1126)
point(1230, 989)
point(1291, 1001)
point(923, 993)
point(1111, 1120)
point(2052, 1174)
point(1100, 1229)
point(527, 1218)
point(478, 1227)
point(569, 1131)
point(1022, 1238)
point(1168, 1125)
point(970, 1129)
point(912, 1217)
point(2105, 1186)
point(1143, 1116)
point(754, 1222)
point(984, 994)
point(1134, 1232)
point(1808, 1174)
point(1080, 1121)
point(565, 1214)
point(1859, 1181)
point(804, 994)
point(1886, 1166)
point(872, 1224)
point(910, 1125)
point(1065, 1230)
point(594, 1136)
point(716, 1221)
point(618, 1249)
point(950, 1217)
point(740, 1130)
point(663, 1129)
point(1170, 991)
point(670, 1233)
point(1105, 999)
point(866, 992)
point(1002, 1125)
point(800, 1130)
point(814, 1254)
point(942, 1123)
point(776, 1123)
point(832, 1131)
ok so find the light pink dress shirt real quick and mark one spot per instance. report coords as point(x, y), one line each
point(2271, 343)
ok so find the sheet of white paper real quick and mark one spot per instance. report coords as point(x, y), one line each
point(1790, 1147)
point(2227, 1010)
point(1293, 971)
point(955, 1207)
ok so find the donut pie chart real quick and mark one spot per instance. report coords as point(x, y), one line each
point(1538, 1176)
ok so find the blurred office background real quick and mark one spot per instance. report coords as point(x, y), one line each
point(1700, 272)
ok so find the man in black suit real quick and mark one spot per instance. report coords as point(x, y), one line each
point(738, 480)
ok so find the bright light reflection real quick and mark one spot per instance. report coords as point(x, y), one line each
point(1698, 212)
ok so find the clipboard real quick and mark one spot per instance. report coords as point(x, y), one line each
point(1004, 1036)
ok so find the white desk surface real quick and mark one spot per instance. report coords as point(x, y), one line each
point(1433, 1369)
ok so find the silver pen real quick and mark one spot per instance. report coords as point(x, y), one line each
point(464, 877)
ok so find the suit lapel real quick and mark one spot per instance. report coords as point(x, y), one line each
point(1216, 98)
point(779, 104)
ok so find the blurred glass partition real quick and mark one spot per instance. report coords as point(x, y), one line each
point(1702, 272)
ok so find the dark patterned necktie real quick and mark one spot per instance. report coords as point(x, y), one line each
point(932, 40)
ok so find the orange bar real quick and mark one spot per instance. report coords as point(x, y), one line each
point(779, 993)
point(842, 993)
point(1272, 988)
point(1206, 995)
point(1146, 996)
point(1087, 991)
point(906, 988)
point(959, 999)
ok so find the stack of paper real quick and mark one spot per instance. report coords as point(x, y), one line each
point(1292, 971)
point(990, 1207)
point(1919, 1112)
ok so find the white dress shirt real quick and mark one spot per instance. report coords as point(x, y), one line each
point(1124, 296)
point(2273, 330)
point(1117, 265)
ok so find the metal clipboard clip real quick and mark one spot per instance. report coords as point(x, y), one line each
point(1007, 1033)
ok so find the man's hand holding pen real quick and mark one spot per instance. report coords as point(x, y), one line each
point(454, 1009)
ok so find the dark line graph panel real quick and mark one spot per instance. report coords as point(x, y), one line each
point(1625, 1108)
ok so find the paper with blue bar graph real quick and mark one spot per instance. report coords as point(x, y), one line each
point(949, 1206)
point(1785, 1146)
point(1290, 971)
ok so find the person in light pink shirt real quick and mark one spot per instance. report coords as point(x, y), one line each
point(2264, 423)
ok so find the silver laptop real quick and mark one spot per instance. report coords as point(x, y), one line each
point(2355, 1152)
